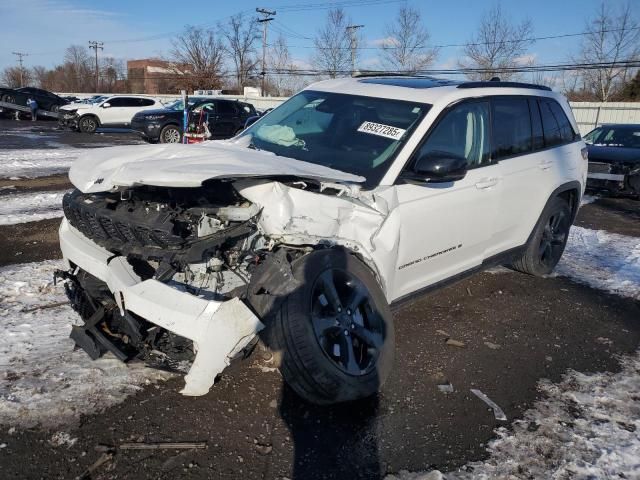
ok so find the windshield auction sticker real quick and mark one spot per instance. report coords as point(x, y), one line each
point(382, 130)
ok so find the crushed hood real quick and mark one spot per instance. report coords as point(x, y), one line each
point(178, 165)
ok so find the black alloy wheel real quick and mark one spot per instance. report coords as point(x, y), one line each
point(347, 326)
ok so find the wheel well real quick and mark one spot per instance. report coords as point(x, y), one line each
point(90, 115)
point(170, 125)
point(571, 196)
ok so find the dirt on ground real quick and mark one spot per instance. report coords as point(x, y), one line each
point(514, 330)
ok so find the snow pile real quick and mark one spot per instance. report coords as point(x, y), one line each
point(30, 207)
point(587, 199)
point(602, 260)
point(33, 163)
point(42, 380)
point(588, 427)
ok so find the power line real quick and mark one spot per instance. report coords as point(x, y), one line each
point(449, 45)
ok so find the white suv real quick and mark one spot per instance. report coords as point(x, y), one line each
point(109, 111)
point(354, 195)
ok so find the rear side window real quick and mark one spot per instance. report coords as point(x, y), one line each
point(536, 125)
point(225, 108)
point(511, 127)
point(556, 125)
point(124, 102)
point(145, 102)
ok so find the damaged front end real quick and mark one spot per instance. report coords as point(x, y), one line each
point(159, 274)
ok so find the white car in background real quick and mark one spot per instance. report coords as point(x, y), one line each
point(114, 111)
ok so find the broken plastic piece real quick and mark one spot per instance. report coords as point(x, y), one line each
point(497, 411)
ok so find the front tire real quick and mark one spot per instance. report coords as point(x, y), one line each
point(88, 124)
point(170, 134)
point(548, 241)
point(335, 332)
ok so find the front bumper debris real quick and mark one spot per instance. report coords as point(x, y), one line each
point(218, 330)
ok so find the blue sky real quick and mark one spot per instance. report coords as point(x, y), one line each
point(44, 28)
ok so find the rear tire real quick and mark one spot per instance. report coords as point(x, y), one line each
point(88, 124)
point(548, 241)
point(170, 134)
point(334, 348)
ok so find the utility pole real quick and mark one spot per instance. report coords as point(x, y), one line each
point(20, 55)
point(352, 35)
point(267, 16)
point(95, 46)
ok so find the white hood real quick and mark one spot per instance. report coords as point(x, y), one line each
point(178, 165)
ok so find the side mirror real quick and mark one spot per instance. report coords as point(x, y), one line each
point(106, 105)
point(250, 121)
point(439, 167)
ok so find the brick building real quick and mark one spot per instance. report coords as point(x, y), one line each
point(152, 76)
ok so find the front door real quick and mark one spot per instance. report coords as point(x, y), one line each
point(447, 227)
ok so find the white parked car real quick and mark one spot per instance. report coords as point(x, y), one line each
point(114, 111)
point(354, 195)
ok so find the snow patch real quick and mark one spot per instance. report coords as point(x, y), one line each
point(42, 379)
point(33, 163)
point(587, 427)
point(602, 260)
point(587, 199)
point(30, 207)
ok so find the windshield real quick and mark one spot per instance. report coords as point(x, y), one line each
point(625, 136)
point(179, 104)
point(358, 135)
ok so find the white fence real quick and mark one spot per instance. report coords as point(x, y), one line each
point(588, 114)
point(591, 114)
point(260, 103)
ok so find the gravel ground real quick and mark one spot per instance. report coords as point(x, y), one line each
point(516, 330)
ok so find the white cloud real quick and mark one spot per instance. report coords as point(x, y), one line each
point(527, 59)
point(379, 42)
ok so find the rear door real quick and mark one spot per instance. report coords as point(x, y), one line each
point(226, 119)
point(517, 143)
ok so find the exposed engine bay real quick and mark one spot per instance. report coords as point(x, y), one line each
point(202, 241)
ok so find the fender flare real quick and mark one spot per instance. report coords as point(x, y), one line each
point(565, 187)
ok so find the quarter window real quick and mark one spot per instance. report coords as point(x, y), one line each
point(511, 127)
point(462, 132)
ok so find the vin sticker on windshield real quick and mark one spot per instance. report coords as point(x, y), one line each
point(382, 130)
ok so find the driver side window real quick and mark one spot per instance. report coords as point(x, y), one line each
point(462, 132)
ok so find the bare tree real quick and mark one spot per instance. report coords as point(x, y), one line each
point(405, 47)
point(11, 77)
point(499, 44)
point(241, 35)
point(613, 37)
point(200, 53)
point(77, 71)
point(284, 81)
point(332, 53)
point(112, 74)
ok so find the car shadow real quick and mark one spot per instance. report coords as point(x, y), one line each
point(329, 441)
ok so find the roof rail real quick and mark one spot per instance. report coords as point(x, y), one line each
point(498, 84)
point(382, 74)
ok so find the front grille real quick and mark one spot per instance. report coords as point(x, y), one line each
point(598, 167)
point(100, 225)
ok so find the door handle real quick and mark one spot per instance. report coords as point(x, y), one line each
point(486, 183)
point(545, 164)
